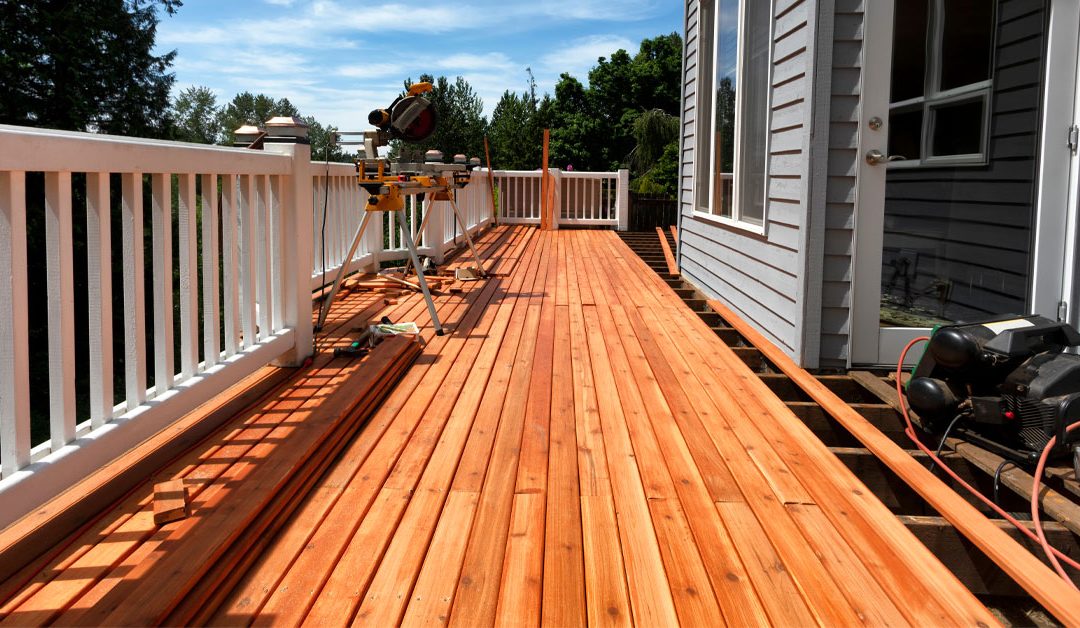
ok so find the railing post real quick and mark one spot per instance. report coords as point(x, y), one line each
point(288, 136)
point(622, 199)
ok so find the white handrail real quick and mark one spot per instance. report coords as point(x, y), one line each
point(249, 251)
point(250, 194)
point(581, 198)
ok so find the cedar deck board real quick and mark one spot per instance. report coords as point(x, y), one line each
point(583, 448)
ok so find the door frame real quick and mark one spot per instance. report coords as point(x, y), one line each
point(1055, 232)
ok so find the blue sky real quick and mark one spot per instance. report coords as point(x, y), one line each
point(337, 60)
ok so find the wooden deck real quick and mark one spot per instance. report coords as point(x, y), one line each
point(582, 449)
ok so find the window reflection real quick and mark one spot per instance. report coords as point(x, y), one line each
point(725, 80)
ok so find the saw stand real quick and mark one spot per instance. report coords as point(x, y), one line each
point(392, 202)
point(448, 195)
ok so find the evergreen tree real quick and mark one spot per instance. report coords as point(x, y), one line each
point(253, 109)
point(85, 66)
point(196, 116)
point(461, 125)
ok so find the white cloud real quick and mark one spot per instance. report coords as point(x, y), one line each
point(579, 56)
point(337, 59)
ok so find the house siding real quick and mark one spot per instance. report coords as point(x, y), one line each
point(758, 276)
point(842, 159)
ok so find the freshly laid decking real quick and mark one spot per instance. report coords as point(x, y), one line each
point(581, 449)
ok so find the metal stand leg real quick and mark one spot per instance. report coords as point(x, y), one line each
point(420, 232)
point(341, 270)
point(419, 271)
point(479, 262)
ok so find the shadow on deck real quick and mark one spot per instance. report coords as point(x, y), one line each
point(580, 449)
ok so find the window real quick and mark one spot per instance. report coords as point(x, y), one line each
point(736, 44)
point(942, 74)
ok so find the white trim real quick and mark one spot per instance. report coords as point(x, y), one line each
point(933, 97)
point(1055, 245)
point(736, 219)
point(731, 223)
point(1052, 257)
point(865, 311)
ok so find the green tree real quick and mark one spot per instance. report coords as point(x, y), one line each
point(255, 109)
point(85, 66)
point(511, 133)
point(654, 160)
point(196, 117)
point(574, 127)
point(725, 123)
point(319, 137)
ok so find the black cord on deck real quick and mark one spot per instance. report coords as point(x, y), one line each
point(944, 437)
point(326, 198)
point(997, 478)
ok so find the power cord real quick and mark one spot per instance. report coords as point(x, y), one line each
point(944, 437)
point(322, 240)
point(1039, 536)
point(997, 478)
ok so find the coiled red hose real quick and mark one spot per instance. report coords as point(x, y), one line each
point(1039, 536)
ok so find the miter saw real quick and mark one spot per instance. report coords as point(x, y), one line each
point(410, 118)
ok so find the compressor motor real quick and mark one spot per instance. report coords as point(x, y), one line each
point(1007, 383)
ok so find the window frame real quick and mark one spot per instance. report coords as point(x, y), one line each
point(934, 98)
point(706, 102)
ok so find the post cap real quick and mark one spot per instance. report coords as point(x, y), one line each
point(287, 126)
point(246, 135)
point(433, 155)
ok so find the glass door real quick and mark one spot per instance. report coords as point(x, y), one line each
point(956, 163)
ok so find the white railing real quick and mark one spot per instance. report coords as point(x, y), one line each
point(581, 198)
point(216, 252)
point(382, 242)
point(231, 208)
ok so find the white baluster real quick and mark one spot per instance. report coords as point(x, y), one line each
point(248, 259)
point(230, 233)
point(189, 278)
point(161, 213)
point(61, 299)
point(275, 250)
point(99, 296)
point(210, 286)
point(14, 320)
point(134, 299)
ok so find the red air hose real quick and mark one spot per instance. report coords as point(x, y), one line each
point(1039, 535)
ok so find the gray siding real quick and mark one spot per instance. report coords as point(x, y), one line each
point(760, 277)
point(844, 81)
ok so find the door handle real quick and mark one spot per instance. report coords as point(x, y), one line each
point(875, 157)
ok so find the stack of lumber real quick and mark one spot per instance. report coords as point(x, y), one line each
point(242, 484)
point(286, 427)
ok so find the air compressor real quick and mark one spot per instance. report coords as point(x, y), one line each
point(1007, 384)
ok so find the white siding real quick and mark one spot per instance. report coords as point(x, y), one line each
point(760, 277)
